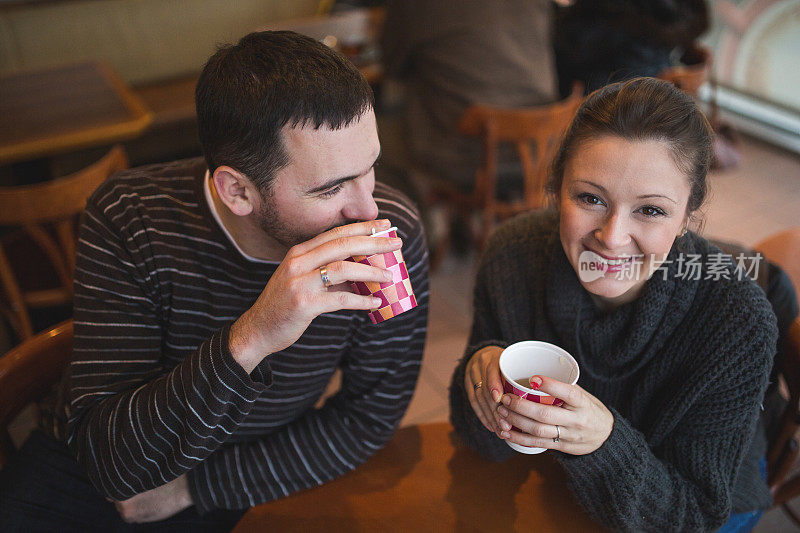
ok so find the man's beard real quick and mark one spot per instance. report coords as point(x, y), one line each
point(284, 233)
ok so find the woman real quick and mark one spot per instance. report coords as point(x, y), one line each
point(675, 358)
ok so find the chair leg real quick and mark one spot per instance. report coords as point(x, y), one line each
point(792, 515)
point(787, 491)
point(6, 447)
point(442, 247)
point(22, 322)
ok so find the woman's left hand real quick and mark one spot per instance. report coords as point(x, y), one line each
point(584, 423)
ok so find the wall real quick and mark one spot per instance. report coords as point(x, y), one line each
point(144, 40)
point(756, 47)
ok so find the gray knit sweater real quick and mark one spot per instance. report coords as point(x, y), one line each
point(683, 370)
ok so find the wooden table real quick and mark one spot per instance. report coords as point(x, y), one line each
point(421, 481)
point(46, 112)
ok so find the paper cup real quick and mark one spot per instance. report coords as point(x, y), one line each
point(396, 296)
point(524, 359)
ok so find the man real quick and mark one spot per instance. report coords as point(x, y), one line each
point(451, 55)
point(212, 308)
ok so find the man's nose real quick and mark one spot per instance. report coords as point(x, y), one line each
point(361, 205)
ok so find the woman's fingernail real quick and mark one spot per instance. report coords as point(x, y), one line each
point(505, 425)
point(387, 275)
point(384, 223)
point(495, 395)
point(535, 382)
point(506, 399)
point(505, 435)
point(502, 411)
point(377, 302)
point(395, 241)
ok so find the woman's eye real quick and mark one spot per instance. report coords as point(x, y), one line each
point(651, 211)
point(590, 199)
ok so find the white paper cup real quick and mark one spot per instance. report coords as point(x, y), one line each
point(524, 359)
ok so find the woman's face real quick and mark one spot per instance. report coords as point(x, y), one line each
point(622, 204)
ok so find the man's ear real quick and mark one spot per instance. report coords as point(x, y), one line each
point(235, 190)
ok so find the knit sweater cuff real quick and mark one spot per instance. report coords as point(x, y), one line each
point(623, 451)
point(232, 374)
point(202, 481)
point(473, 349)
point(467, 425)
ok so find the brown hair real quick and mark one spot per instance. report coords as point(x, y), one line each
point(643, 109)
point(248, 92)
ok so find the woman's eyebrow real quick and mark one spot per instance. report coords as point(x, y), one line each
point(643, 196)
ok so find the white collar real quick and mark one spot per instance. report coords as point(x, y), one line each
point(215, 214)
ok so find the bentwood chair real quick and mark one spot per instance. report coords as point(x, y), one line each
point(37, 257)
point(784, 249)
point(28, 372)
point(783, 476)
point(693, 71)
point(534, 132)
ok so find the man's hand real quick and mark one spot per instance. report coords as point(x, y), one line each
point(295, 295)
point(157, 504)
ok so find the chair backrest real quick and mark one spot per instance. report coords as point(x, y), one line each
point(783, 450)
point(694, 71)
point(47, 213)
point(784, 249)
point(28, 372)
point(540, 128)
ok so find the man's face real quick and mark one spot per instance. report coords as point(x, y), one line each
point(328, 182)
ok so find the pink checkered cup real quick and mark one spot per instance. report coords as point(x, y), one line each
point(396, 296)
point(523, 360)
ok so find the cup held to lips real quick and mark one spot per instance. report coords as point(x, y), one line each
point(524, 359)
point(396, 296)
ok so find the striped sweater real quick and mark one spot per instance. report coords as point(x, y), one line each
point(153, 389)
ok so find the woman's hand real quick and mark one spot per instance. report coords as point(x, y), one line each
point(584, 423)
point(484, 386)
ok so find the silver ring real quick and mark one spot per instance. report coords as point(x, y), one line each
point(323, 273)
point(558, 434)
point(478, 385)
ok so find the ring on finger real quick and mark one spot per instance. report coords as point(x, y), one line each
point(558, 434)
point(478, 385)
point(323, 273)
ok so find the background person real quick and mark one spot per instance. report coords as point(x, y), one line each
point(450, 55)
point(598, 42)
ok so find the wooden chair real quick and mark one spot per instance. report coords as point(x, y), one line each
point(784, 249)
point(693, 71)
point(784, 480)
point(540, 126)
point(28, 372)
point(44, 216)
point(784, 483)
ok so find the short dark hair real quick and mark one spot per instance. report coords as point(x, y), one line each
point(249, 91)
point(643, 109)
